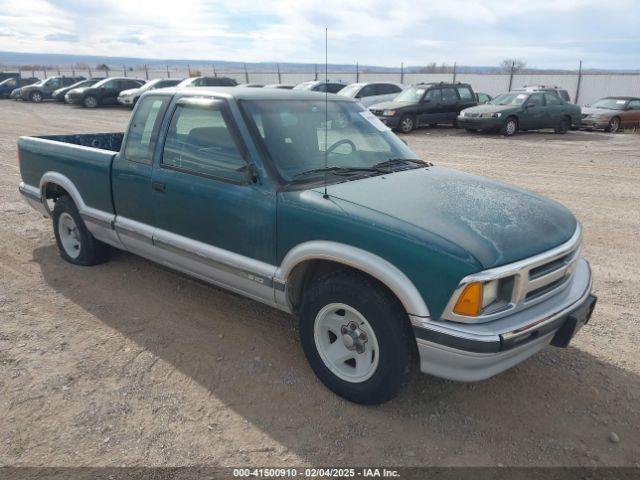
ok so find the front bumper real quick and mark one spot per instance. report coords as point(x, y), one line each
point(472, 352)
point(594, 123)
point(391, 122)
point(479, 123)
point(126, 101)
point(73, 99)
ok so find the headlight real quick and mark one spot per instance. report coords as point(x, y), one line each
point(497, 115)
point(463, 113)
point(491, 115)
point(484, 297)
point(388, 113)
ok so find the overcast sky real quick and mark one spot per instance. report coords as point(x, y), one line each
point(547, 34)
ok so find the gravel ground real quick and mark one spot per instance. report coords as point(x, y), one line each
point(131, 364)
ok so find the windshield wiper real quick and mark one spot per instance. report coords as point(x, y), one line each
point(394, 161)
point(337, 170)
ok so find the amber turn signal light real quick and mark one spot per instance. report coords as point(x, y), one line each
point(470, 300)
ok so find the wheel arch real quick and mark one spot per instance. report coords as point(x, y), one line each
point(54, 184)
point(308, 259)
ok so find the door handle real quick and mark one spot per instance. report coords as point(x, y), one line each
point(158, 186)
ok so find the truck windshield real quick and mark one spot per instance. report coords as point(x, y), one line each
point(294, 133)
point(411, 95)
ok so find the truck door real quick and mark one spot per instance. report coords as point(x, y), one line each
point(535, 112)
point(131, 174)
point(213, 218)
point(429, 106)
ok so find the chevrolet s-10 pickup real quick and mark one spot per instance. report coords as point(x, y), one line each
point(310, 204)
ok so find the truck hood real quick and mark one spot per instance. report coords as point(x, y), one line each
point(391, 105)
point(608, 112)
point(490, 108)
point(495, 223)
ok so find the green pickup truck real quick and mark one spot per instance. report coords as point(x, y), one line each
point(310, 204)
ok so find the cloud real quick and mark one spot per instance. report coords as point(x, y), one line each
point(61, 37)
point(546, 33)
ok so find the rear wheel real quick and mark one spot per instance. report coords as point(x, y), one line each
point(407, 124)
point(90, 101)
point(75, 242)
point(356, 337)
point(614, 125)
point(563, 126)
point(36, 97)
point(510, 127)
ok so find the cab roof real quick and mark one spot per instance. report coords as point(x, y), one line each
point(246, 93)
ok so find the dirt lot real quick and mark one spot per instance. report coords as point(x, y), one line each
point(130, 364)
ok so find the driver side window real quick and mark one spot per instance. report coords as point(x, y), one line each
point(434, 95)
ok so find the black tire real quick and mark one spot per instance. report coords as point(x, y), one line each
point(614, 125)
point(90, 251)
point(36, 97)
point(90, 101)
point(563, 126)
point(387, 319)
point(507, 129)
point(406, 124)
point(470, 130)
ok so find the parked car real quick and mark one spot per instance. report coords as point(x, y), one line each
point(281, 86)
point(10, 84)
point(105, 92)
point(425, 104)
point(321, 86)
point(612, 113)
point(59, 94)
point(44, 89)
point(6, 75)
point(483, 98)
point(561, 92)
point(513, 111)
point(381, 255)
point(208, 82)
point(370, 93)
point(250, 85)
point(130, 97)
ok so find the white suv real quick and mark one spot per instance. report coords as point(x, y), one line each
point(371, 93)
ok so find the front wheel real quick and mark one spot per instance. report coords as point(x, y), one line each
point(510, 127)
point(356, 337)
point(407, 124)
point(563, 126)
point(614, 125)
point(90, 101)
point(75, 242)
point(36, 97)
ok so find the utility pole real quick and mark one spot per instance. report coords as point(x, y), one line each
point(168, 73)
point(454, 72)
point(124, 70)
point(513, 68)
point(146, 72)
point(579, 82)
point(315, 77)
point(246, 74)
point(213, 65)
point(401, 72)
point(189, 69)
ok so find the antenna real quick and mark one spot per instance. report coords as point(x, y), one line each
point(326, 110)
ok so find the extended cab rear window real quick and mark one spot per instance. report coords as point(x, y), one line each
point(143, 132)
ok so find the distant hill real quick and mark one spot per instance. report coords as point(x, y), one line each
point(14, 59)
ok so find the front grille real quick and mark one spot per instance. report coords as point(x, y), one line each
point(376, 112)
point(546, 278)
point(472, 115)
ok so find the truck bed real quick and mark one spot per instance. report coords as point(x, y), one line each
point(85, 159)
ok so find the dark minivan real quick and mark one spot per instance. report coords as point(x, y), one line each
point(43, 90)
point(10, 84)
point(105, 92)
point(425, 104)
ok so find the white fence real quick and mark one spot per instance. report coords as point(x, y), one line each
point(588, 87)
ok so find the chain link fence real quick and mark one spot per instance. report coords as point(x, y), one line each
point(584, 88)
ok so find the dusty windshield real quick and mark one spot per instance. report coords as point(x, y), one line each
point(610, 103)
point(510, 99)
point(295, 136)
point(412, 95)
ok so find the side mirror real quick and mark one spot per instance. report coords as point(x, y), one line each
point(529, 105)
point(426, 100)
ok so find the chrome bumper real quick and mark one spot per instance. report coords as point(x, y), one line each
point(33, 197)
point(471, 352)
